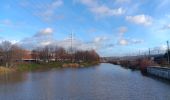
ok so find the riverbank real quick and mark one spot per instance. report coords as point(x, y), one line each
point(162, 72)
point(4, 70)
point(30, 66)
point(147, 67)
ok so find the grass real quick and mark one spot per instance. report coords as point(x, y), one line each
point(28, 66)
point(5, 70)
point(45, 66)
point(88, 64)
point(38, 66)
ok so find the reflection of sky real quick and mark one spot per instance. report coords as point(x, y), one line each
point(102, 82)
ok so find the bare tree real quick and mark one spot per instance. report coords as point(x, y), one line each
point(6, 53)
point(35, 55)
point(10, 53)
point(60, 54)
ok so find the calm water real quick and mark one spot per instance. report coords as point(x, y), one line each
point(103, 82)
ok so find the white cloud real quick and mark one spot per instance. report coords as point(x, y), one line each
point(12, 41)
point(106, 11)
point(101, 10)
point(140, 19)
point(45, 32)
point(100, 39)
point(45, 37)
point(123, 42)
point(44, 43)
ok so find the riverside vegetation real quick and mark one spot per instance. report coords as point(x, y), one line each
point(15, 58)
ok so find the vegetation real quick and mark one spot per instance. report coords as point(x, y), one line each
point(15, 57)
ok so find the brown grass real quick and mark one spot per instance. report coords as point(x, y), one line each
point(5, 70)
point(73, 65)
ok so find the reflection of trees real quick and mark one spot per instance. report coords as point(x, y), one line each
point(13, 78)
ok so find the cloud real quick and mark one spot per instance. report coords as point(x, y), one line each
point(10, 23)
point(34, 42)
point(123, 42)
point(166, 27)
point(100, 39)
point(122, 31)
point(49, 11)
point(45, 32)
point(123, 1)
point(1, 39)
point(140, 19)
point(45, 37)
point(136, 41)
point(46, 11)
point(101, 10)
point(161, 48)
point(42, 38)
point(12, 41)
point(106, 11)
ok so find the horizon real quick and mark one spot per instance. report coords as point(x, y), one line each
point(112, 28)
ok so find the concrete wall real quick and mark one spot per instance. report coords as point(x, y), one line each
point(162, 72)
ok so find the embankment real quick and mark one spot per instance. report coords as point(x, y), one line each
point(162, 72)
point(6, 70)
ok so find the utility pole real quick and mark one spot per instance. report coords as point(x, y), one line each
point(168, 51)
point(149, 54)
point(71, 46)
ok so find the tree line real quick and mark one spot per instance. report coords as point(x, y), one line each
point(12, 54)
point(55, 53)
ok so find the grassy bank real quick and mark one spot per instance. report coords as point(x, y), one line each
point(82, 64)
point(6, 70)
point(38, 66)
point(46, 66)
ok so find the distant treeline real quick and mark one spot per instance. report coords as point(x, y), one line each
point(12, 54)
point(55, 53)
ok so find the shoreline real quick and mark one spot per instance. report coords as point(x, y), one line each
point(44, 66)
point(4, 70)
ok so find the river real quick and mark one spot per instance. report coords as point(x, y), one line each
point(101, 82)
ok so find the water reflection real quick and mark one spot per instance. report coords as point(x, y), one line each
point(103, 82)
point(12, 78)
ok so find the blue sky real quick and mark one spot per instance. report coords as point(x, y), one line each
point(111, 27)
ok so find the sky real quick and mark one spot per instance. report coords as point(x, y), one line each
point(111, 27)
